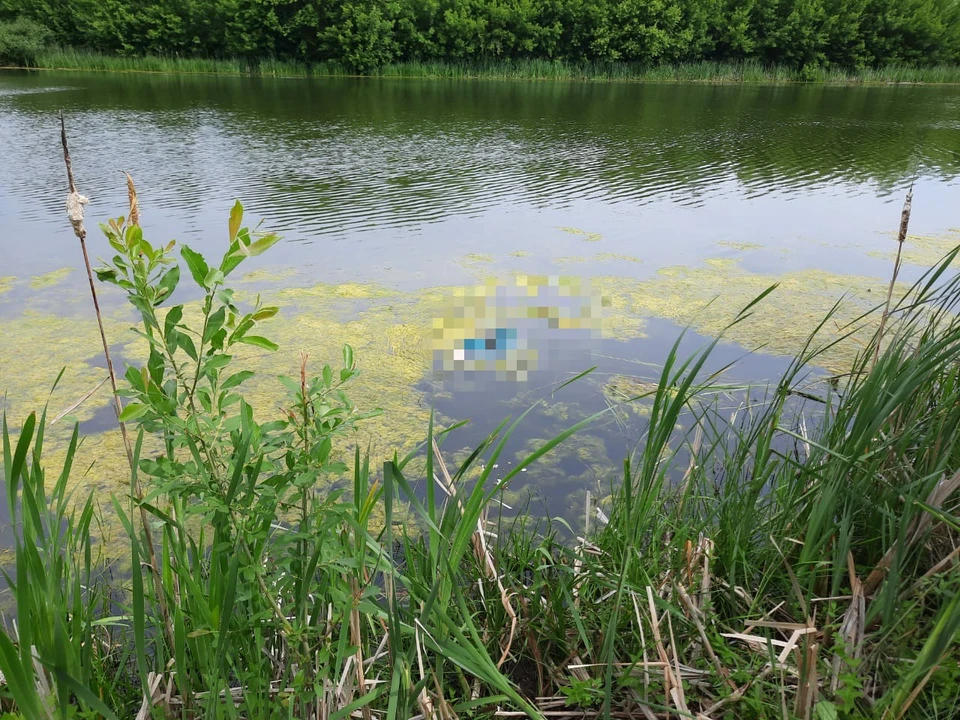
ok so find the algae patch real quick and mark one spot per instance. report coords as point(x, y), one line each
point(269, 275)
point(921, 250)
point(50, 279)
point(478, 258)
point(742, 246)
point(350, 291)
point(616, 257)
point(521, 254)
point(391, 333)
point(6, 283)
point(584, 235)
point(709, 298)
point(37, 346)
point(565, 260)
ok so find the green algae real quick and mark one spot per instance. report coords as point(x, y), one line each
point(323, 291)
point(478, 258)
point(6, 283)
point(520, 254)
point(921, 250)
point(570, 260)
point(709, 298)
point(50, 279)
point(616, 257)
point(584, 235)
point(623, 388)
point(742, 246)
point(393, 345)
point(37, 346)
point(269, 275)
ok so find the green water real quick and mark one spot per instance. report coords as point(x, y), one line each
point(419, 184)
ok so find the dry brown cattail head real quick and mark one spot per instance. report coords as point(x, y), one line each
point(75, 203)
point(134, 218)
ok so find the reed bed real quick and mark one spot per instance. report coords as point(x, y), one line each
point(749, 72)
point(795, 557)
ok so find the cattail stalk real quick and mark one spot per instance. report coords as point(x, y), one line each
point(901, 238)
point(75, 203)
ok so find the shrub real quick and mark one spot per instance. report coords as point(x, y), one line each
point(21, 41)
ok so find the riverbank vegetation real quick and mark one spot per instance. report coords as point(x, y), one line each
point(565, 38)
point(751, 71)
point(796, 557)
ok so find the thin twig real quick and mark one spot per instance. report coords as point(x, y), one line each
point(79, 402)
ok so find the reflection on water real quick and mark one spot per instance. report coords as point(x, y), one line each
point(382, 177)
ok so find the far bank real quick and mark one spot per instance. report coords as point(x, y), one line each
point(749, 72)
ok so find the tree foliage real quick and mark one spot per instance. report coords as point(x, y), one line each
point(363, 34)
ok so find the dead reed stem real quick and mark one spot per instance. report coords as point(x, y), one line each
point(75, 203)
point(356, 638)
point(918, 526)
point(694, 612)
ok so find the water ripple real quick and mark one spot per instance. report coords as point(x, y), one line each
point(341, 158)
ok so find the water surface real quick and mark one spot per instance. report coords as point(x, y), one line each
point(418, 184)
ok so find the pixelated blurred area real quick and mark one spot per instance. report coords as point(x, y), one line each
point(504, 330)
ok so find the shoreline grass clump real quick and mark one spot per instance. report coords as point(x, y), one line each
point(794, 558)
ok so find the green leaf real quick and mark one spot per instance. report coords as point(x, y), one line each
point(236, 217)
point(825, 710)
point(237, 378)
point(259, 341)
point(186, 342)
point(214, 324)
point(258, 247)
point(170, 321)
point(167, 284)
point(197, 265)
point(243, 327)
point(134, 411)
point(231, 259)
point(155, 365)
point(106, 275)
point(265, 313)
point(216, 362)
point(214, 277)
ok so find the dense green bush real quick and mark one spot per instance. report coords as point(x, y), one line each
point(363, 34)
point(21, 41)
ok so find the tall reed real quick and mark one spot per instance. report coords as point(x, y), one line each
point(749, 72)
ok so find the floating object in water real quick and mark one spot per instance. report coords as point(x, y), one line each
point(514, 327)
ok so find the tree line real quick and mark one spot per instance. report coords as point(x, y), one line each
point(364, 34)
